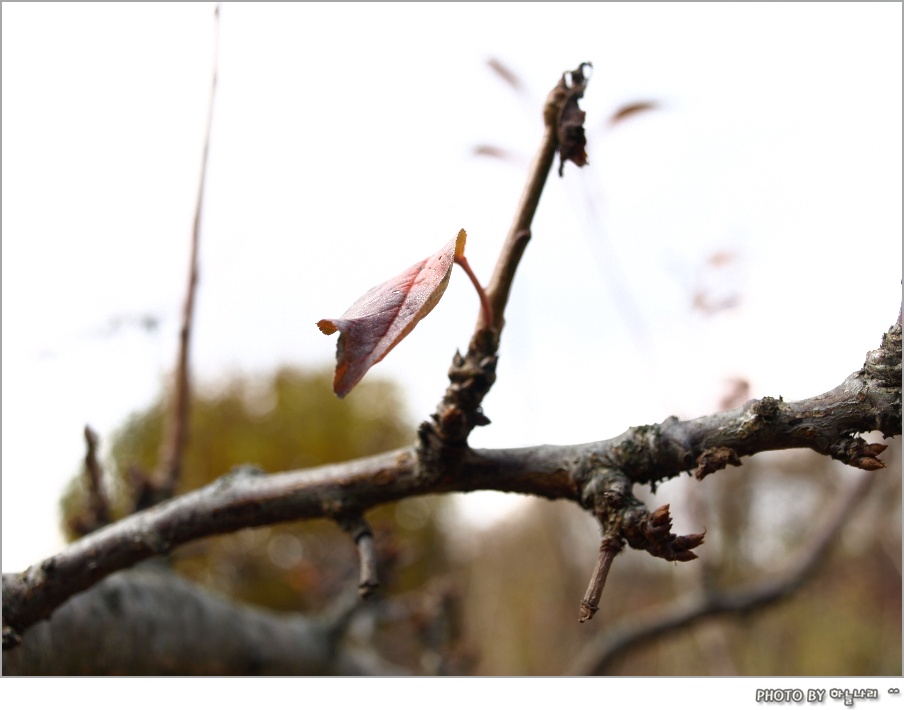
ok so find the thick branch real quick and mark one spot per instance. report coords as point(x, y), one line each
point(195, 632)
point(869, 399)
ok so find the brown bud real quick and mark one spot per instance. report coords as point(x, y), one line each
point(868, 463)
point(661, 515)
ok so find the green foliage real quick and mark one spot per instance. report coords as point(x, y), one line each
point(285, 421)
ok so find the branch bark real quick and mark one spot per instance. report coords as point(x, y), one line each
point(869, 399)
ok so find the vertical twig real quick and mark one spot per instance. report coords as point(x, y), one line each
point(172, 447)
point(485, 307)
point(609, 548)
point(98, 505)
point(361, 533)
point(519, 233)
point(472, 375)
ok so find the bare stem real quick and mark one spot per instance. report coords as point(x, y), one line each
point(172, 447)
point(472, 376)
point(486, 310)
point(609, 548)
point(520, 231)
point(363, 536)
point(98, 504)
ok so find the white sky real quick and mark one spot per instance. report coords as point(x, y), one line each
point(342, 152)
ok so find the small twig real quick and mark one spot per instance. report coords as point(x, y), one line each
point(472, 375)
point(485, 308)
point(626, 519)
point(172, 447)
point(609, 548)
point(367, 553)
point(363, 536)
point(94, 512)
point(519, 233)
point(98, 505)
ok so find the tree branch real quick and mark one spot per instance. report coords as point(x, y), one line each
point(444, 436)
point(97, 508)
point(869, 399)
point(172, 446)
point(361, 533)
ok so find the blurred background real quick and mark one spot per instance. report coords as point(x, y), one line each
point(740, 237)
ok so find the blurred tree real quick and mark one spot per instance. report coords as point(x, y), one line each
point(287, 420)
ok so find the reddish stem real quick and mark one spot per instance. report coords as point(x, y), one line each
point(485, 308)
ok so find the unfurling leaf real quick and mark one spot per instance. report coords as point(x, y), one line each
point(378, 320)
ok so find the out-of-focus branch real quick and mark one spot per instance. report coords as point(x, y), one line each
point(869, 399)
point(195, 632)
point(361, 533)
point(175, 437)
point(95, 512)
point(98, 504)
point(613, 644)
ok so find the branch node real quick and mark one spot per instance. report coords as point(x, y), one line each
point(715, 459)
point(855, 451)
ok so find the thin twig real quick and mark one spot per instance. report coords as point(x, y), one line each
point(98, 505)
point(172, 447)
point(471, 376)
point(486, 308)
point(520, 231)
point(358, 528)
point(609, 548)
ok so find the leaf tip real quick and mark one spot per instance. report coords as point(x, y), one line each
point(326, 326)
point(460, 242)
